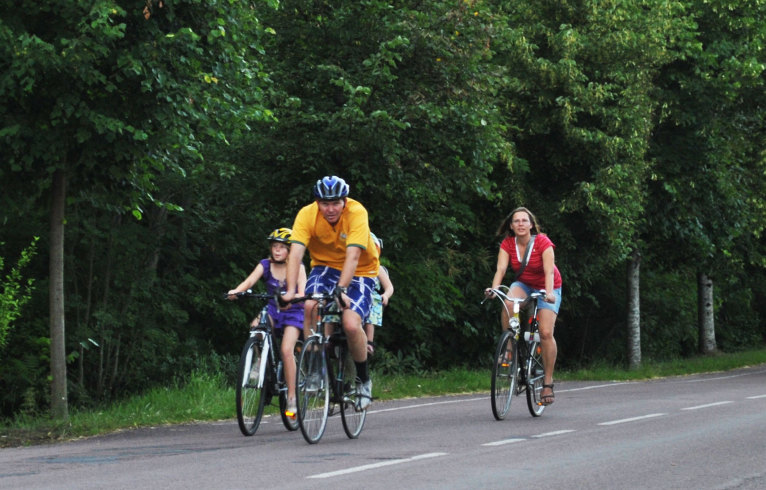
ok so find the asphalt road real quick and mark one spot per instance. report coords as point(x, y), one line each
point(700, 432)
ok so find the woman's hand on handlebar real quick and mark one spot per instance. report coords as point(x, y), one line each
point(550, 298)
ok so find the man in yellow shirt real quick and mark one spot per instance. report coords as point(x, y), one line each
point(336, 231)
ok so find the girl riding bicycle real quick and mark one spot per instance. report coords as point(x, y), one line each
point(521, 230)
point(288, 322)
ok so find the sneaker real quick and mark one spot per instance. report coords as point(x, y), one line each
point(364, 391)
point(292, 408)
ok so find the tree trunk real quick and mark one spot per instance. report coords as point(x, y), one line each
point(59, 405)
point(634, 312)
point(706, 321)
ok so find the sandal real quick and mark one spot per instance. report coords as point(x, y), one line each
point(549, 398)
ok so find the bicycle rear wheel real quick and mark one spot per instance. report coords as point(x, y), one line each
point(250, 389)
point(313, 391)
point(353, 418)
point(505, 374)
point(535, 379)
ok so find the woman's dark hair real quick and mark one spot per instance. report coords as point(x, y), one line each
point(505, 227)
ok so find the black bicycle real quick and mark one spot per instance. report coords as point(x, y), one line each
point(326, 377)
point(518, 360)
point(260, 376)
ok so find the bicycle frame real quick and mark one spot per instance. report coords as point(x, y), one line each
point(321, 390)
point(258, 383)
point(523, 371)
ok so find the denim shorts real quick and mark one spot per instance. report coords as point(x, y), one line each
point(541, 303)
point(323, 279)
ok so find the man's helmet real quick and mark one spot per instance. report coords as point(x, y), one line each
point(280, 235)
point(331, 188)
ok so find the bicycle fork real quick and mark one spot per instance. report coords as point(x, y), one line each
point(257, 372)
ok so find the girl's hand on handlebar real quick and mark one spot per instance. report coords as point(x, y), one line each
point(232, 294)
point(286, 297)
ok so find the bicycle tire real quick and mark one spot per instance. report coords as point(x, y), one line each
point(505, 374)
point(313, 391)
point(535, 379)
point(290, 423)
point(251, 397)
point(352, 417)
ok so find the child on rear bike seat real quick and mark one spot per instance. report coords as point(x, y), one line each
point(379, 300)
point(382, 292)
point(288, 322)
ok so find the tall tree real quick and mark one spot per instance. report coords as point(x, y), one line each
point(102, 97)
point(707, 186)
point(580, 106)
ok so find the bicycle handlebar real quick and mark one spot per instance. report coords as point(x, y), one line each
point(335, 295)
point(499, 293)
point(248, 294)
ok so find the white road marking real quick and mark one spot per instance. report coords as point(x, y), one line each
point(593, 387)
point(749, 373)
point(503, 442)
point(633, 419)
point(420, 405)
point(756, 397)
point(554, 433)
point(707, 405)
point(376, 465)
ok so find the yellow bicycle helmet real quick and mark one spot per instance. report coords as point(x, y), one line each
point(280, 235)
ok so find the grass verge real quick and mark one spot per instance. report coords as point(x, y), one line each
point(206, 397)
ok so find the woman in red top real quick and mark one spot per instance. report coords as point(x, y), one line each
point(540, 274)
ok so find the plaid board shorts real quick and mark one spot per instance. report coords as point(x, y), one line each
point(323, 279)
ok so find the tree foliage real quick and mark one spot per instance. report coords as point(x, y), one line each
point(188, 130)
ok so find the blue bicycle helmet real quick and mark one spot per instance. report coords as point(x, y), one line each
point(331, 188)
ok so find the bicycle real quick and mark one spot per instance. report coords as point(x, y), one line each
point(260, 376)
point(518, 361)
point(326, 375)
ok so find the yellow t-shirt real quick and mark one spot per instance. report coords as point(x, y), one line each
point(327, 243)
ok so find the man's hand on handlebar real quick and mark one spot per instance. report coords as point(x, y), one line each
point(340, 296)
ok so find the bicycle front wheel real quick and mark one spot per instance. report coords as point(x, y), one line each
point(505, 374)
point(352, 416)
point(313, 390)
point(250, 388)
point(535, 379)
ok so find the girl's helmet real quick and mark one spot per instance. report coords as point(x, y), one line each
point(280, 235)
point(331, 188)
